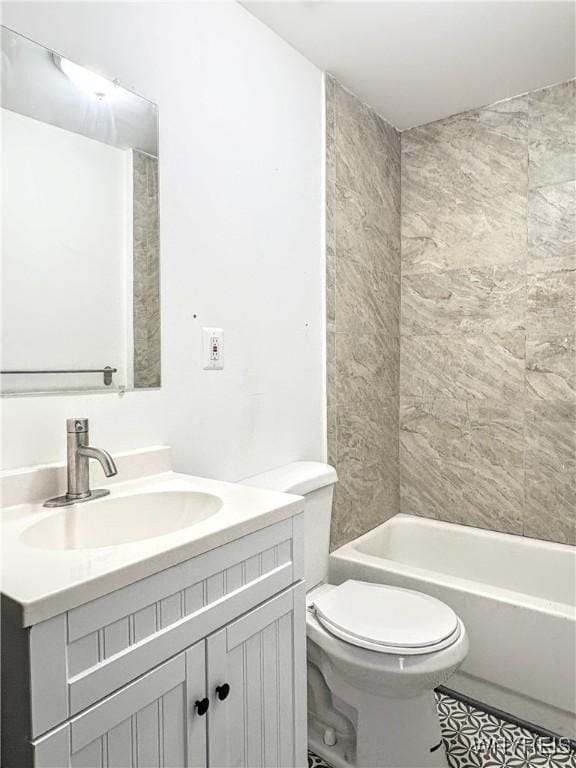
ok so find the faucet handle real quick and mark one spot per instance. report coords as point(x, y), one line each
point(76, 425)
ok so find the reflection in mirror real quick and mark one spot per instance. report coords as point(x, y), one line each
point(80, 242)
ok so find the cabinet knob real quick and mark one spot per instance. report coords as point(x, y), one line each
point(222, 691)
point(202, 706)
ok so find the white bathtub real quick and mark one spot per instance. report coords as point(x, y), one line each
point(515, 595)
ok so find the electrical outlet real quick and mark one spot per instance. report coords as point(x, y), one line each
point(213, 349)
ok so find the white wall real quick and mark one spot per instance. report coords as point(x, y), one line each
point(66, 247)
point(241, 219)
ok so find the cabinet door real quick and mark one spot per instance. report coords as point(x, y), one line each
point(262, 658)
point(151, 722)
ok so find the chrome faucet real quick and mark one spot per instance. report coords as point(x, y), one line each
point(79, 455)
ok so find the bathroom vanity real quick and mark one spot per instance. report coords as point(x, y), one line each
point(181, 649)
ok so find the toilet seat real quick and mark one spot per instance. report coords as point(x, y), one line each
point(387, 619)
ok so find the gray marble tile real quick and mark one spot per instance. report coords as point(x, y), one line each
point(332, 433)
point(330, 260)
point(364, 233)
point(330, 204)
point(496, 434)
point(552, 134)
point(146, 272)
point(364, 498)
point(386, 293)
point(488, 366)
point(471, 156)
point(330, 293)
point(367, 491)
point(471, 432)
point(550, 505)
point(552, 221)
point(464, 188)
point(363, 306)
point(448, 234)
point(485, 497)
point(330, 207)
point(367, 435)
point(367, 152)
point(550, 434)
point(331, 85)
point(551, 366)
point(367, 299)
point(368, 368)
point(551, 295)
point(493, 498)
point(391, 442)
point(434, 430)
point(331, 369)
point(480, 299)
point(466, 367)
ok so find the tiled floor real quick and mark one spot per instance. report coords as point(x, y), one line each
point(476, 739)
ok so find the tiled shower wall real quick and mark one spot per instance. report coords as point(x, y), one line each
point(488, 363)
point(487, 376)
point(363, 310)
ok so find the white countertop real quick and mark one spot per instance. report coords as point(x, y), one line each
point(46, 582)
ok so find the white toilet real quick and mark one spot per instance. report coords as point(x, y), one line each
point(375, 653)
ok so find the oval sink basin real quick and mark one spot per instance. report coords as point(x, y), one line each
point(121, 520)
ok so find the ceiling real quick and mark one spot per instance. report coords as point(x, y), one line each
point(415, 62)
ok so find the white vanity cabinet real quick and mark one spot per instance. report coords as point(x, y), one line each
point(150, 722)
point(262, 657)
point(200, 665)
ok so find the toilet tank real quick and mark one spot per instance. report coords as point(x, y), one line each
point(315, 481)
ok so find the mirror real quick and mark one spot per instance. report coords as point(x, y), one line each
point(80, 242)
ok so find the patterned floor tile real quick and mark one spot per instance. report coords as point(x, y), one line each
point(316, 762)
point(477, 739)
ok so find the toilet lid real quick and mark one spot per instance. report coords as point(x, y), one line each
point(387, 619)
